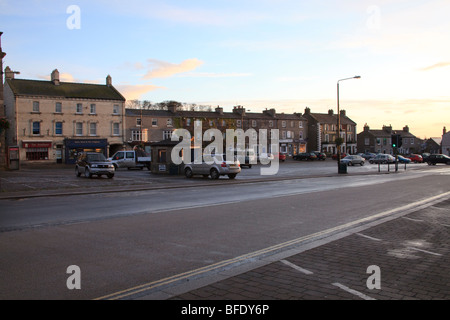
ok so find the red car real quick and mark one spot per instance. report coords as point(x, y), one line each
point(334, 156)
point(416, 158)
point(280, 156)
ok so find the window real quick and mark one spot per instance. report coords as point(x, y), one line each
point(253, 123)
point(79, 129)
point(169, 122)
point(412, 141)
point(35, 106)
point(116, 129)
point(238, 123)
point(211, 123)
point(79, 108)
point(161, 156)
point(92, 129)
point(138, 135)
point(58, 107)
point(224, 123)
point(36, 128)
point(129, 155)
point(289, 133)
point(292, 124)
point(300, 135)
point(93, 109)
point(138, 122)
point(116, 109)
point(155, 122)
point(283, 134)
point(366, 141)
point(37, 153)
point(270, 124)
point(300, 124)
point(58, 128)
point(283, 124)
point(167, 134)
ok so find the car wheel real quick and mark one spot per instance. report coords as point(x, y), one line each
point(110, 175)
point(214, 174)
point(77, 172)
point(188, 173)
point(87, 173)
point(362, 163)
point(249, 166)
point(232, 175)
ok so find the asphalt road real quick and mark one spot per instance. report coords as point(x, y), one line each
point(121, 240)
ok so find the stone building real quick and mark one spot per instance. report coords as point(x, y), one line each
point(379, 141)
point(149, 126)
point(322, 132)
point(51, 121)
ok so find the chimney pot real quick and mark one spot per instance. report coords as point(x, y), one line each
point(55, 77)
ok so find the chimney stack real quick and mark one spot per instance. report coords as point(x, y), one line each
point(109, 81)
point(55, 77)
point(444, 131)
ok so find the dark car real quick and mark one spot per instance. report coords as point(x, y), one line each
point(320, 155)
point(368, 155)
point(305, 156)
point(425, 156)
point(382, 158)
point(93, 163)
point(433, 159)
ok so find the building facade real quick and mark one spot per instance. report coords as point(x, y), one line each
point(149, 126)
point(322, 132)
point(51, 121)
point(379, 141)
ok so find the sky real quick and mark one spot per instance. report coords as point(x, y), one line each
point(282, 54)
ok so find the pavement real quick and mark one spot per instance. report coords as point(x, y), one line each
point(399, 255)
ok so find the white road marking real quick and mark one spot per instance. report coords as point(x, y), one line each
point(368, 237)
point(354, 292)
point(296, 267)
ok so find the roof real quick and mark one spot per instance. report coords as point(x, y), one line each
point(23, 87)
point(327, 118)
point(210, 114)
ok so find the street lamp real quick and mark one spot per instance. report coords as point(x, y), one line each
point(338, 129)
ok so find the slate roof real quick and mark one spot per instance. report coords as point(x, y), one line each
point(24, 87)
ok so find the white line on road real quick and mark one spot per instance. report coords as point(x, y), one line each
point(371, 238)
point(296, 267)
point(426, 251)
point(411, 219)
point(354, 292)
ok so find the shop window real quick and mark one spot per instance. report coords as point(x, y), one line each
point(37, 154)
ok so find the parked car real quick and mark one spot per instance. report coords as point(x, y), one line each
point(433, 159)
point(425, 156)
point(382, 158)
point(131, 159)
point(368, 155)
point(352, 160)
point(280, 156)
point(93, 163)
point(220, 167)
point(309, 156)
point(416, 158)
point(320, 155)
point(334, 156)
point(402, 159)
point(247, 159)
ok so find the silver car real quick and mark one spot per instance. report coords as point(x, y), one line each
point(352, 160)
point(219, 167)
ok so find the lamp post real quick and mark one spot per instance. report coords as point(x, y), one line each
point(338, 129)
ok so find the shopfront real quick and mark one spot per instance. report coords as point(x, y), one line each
point(74, 146)
point(36, 150)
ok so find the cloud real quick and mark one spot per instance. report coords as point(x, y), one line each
point(436, 66)
point(163, 69)
point(132, 92)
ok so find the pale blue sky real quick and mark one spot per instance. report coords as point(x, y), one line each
point(283, 54)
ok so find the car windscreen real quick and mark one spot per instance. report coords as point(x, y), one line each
point(97, 157)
